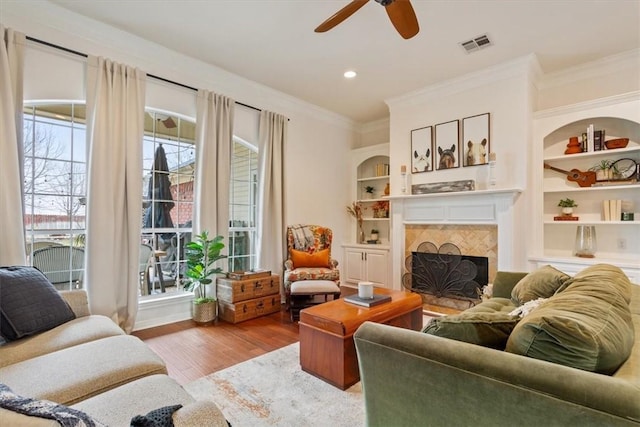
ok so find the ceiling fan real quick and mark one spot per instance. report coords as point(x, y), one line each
point(400, 13)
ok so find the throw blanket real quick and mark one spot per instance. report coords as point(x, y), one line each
point(302, 237)
point(67, 417)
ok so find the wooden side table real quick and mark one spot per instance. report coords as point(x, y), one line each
point(327, 350)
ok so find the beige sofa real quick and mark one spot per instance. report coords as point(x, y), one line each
point(91, 365)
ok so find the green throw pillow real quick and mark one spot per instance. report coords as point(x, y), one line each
point(587, 326)
point(542, 283)
point(504, 282)
point(485, 329)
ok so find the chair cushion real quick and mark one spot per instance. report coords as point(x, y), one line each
point(302, 259)
point(29, 304)
point(488, 329)
point(314, 287)
point(542, 283)
point(587, 326)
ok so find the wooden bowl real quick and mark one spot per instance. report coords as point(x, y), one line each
point(616, 143)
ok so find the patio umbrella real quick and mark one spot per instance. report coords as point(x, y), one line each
point(158, 213)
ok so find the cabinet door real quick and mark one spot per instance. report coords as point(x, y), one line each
point(376, 268)
point(353, 265)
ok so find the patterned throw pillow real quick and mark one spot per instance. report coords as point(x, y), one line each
point(161, 417)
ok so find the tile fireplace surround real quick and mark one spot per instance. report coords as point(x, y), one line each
point(481, 223)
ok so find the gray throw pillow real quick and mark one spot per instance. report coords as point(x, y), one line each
point(29, 304)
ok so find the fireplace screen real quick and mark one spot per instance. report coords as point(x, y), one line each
point(445, 272)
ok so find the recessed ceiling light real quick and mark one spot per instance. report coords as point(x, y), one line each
point(350, 74)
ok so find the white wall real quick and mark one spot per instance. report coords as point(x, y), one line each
point(319, 141)
point(503, 91)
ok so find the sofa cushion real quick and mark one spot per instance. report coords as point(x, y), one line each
point(542, 283)
point(146, 394)
point(485, 329)
point(79, 372)
point(29, 304)
point(77, 331)
point(303, 259)
point(504, 283)
point(25, 409)
point(586, 326)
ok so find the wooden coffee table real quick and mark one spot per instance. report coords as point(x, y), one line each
point(327, 350)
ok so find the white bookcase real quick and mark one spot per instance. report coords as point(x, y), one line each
point(618, 242)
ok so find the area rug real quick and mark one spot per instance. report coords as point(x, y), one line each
point(272, 390)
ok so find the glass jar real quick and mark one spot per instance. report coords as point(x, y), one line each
point(586, 245)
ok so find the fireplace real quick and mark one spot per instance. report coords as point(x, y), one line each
point(443, 272)
point(480, 223)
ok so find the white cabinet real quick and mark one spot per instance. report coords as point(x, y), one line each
point(618, 242)
point(366, 264)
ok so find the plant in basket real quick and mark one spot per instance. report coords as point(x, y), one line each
point(201, 254)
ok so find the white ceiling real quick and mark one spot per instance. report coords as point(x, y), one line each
point(272, 41)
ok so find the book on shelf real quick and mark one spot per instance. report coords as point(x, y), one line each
point(590, 138)
point(583, 142)
point(367, 302)
point(566, 218)
point(382, 169)
point(615, 182)
point(611, 210)
point(251, 274)
point(598, 140)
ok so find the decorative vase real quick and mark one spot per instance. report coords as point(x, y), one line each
point(387, 190)
point(205, 312)
point(567, 211)
point(586, 245)
point(361, 235)
point(374, 236)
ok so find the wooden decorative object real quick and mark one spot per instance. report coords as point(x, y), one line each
point(443, 187)
point(573, 146)
point(241, 300)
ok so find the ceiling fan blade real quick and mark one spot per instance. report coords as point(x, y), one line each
point(341, 15)
point(403, 18)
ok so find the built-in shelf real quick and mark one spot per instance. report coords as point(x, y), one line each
point(594, 188)
point(602, 153)
point(637, 223)
point(374, 178)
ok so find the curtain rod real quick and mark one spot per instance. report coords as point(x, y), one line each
point(84, 55)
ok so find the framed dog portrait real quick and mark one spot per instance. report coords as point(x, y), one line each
point(422, 150)
point(475, 140)
point(447, 150)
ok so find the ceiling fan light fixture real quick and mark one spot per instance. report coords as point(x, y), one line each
point(350, 74)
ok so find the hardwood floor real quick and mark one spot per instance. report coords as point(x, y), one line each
point(192, 351)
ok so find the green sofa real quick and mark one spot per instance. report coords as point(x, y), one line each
point(411, 378)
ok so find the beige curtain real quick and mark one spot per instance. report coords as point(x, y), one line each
point(271, 243)
point(214, 137)
point(12, 249)
point(115, 126)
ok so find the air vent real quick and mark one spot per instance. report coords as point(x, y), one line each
point(476, 44)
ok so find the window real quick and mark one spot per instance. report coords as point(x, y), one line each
point(55, 190)
point(243, 206)
point(167, 199)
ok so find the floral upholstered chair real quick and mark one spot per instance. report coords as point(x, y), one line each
point(309, 258)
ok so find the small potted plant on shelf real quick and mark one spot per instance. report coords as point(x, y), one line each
point(603, 170)
point(567, 206)
point(369, 190)
point(201, 254)
point(374, 234)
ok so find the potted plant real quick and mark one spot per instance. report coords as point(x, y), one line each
point(369, 190)
point(567, 206)
point(201, 254)
point(603, 170)
point(374, 234)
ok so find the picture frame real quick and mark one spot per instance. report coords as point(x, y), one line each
point(447, 138)
point(422, 150)
point(476, 142)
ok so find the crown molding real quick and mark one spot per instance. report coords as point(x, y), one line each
point(53, 23)
point(526, 65)
point(588, 105)
point(605, 66)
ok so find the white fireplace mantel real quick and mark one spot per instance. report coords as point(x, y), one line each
point(494, 206)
